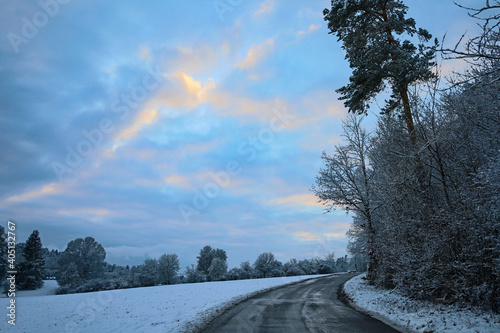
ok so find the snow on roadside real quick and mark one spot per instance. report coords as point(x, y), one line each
point(417, 316)
point(175, 308)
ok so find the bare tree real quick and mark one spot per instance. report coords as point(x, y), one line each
point(345, 181)
point(483, 49)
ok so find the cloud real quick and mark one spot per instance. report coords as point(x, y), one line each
point(265, 8)
point(199, 58)
point(184, 130)
point(49, 189)
point(317, 237)
point(180, 91)
point(312, 28)
point(195, 88)
point(306, 199)
point(92, 214)
point(143, 119)
point(256, 54)
point(178, 180)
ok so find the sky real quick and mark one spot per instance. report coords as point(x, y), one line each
point(164, 126)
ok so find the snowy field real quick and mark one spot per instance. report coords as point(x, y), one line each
point(417, 316)
point(176, 308)
point(49, 288)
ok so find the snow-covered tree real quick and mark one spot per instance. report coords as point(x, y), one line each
point(51, 258)
point(3, 253)
point(482, 49)
point(233, 274)
point(147, 274)
point(82, 261)
point(217, 269)
point(31, 270)
point(292, 268)
point(193, 275)
point(246, 270)
point(69, 278)
point(372, 34)
point(207, 255)
point(168, 266)
point(205, 259)
point(266, 265)
point(346, 182)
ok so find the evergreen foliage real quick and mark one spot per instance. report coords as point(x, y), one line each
point(372, 33)
point(3, 253)
point(31, 270)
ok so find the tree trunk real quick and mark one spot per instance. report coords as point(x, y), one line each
point(408, 115)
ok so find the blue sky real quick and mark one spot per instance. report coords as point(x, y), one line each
point(164, 126)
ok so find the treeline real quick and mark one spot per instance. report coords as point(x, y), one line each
point(81, 267)
point(27, 260)
point(424, 186)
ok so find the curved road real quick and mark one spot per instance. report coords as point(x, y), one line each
point(308, 306)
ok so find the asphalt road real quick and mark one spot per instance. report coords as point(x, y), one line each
point(308, 306)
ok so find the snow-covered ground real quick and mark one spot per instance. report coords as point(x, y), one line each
point(49, 288)
point(417, 316)
point(176, 308)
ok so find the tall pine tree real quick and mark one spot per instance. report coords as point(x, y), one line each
point(31, 270)
point(369, 31)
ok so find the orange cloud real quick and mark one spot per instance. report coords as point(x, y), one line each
point(195, 88)
point(52, 188)
point(312, 27)
point(256, 54)
point(306, 199)
point(144, 118)
point(91, 214)
point(182, 90)
point(317, 237)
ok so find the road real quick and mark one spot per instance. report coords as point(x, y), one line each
point(308, 306)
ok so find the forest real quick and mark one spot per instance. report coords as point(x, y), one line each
point(423, 186)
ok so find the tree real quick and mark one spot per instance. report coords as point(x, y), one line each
point(168, 266)
point(147, 273)
point(233, 274)
point(267, 265)
point(51, 262)
point(217, 269)
point(221, 254)
point(346, 182)
point(292, 268)
point(3, 253)
point(32, 269)
point(246, 270)
point(484, 49)
point(342, 264)
point(205, 259)
point(207, 255)
point(82, 261)
point(193, 275)
point(131, 276)
point(369, 30)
